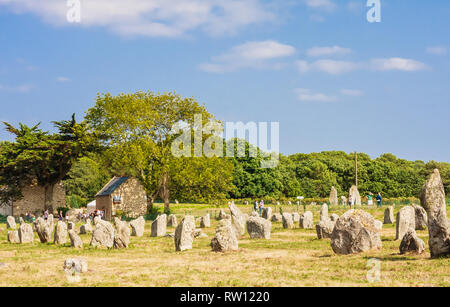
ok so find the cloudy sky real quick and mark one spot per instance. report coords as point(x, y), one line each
point(331, 79)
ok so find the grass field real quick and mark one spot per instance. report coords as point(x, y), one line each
point(290, 258)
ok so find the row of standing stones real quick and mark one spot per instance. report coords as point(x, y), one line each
point(353, 232)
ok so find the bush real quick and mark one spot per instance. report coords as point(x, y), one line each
point(75, 201)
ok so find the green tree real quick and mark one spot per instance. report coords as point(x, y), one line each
point(137, 128)
point(41, 157)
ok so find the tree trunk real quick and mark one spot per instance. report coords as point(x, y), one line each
point(149, 204)
point(165, 193)
point(48, 202)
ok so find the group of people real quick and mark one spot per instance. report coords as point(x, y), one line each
point(258, 206)
point(29, 217)
point(378, 198)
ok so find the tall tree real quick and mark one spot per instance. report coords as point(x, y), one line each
point(138, 129)
point(41, 157)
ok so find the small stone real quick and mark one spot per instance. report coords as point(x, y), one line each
point(75, 265)
point(138, 227)
point(324, 229)
point(86, 228)
point(295, 217)
point(411, 243)
point(277, 217)
point(172, 221)
point(288, 222)
point(11, 222)
point(103, 235)
point(306, 220)
point(184, 234)
point(378, 225)
point(121, 234)
point(259, 228)
point(26, 234)
point(205, 221)
point(421, 217)
point(75, 240)
point(60, 233)
point(389, 215)
point(324, 213)
point(159, 226)
point(267, 213)
point(334, 217)
point(13, 236)
point(406, 220)
point(225, 238)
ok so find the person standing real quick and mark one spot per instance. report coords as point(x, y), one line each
point(255, 205)
point(350, 201)
point(370, 199)
point(379, 200)
point(261, 207)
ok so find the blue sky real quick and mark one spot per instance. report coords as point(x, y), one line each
point(331, 79)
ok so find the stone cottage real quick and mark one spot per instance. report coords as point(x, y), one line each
point(33, 200)
point(125, 194)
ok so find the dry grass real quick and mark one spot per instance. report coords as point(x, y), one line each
point(289, 258)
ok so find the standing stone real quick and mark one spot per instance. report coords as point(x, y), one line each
point(421, 217)
point(355, 195)
point(267, 213)
point(26, 234)
point(411, 243)
point(406, 219)
point(205, 221)
point(43, 230)
point(11, 222)
point(13, 236)
point(295, 217)
point(172, 221)
point(254, 214)
point(378, 225)
point(324, 229)
point(103, 235)
point(138, 227)
point(355, 232)
point(121, 234)
point(21, 221)
point(237, 220)
point(276, 217)
point(432, 198)
point(259, 228)
point(223, 215)
point(70, 225)
point(86, 228)
point(225, 238)
point(334, 217)
point(324, 213)
point(288, 223)
point(60, 233)
point(184, 234)
point(50, 221)
point(306, 220)
point(75, 240)
point(333, 197)
point(159, 226)
point(389, 215)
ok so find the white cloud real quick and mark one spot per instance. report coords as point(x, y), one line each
point(249, 55)
point(326, 51)
point(321, 4)
point(166, 18)
point(353, 93)
point(63, 79)
point(307, 95)
point(437, 50)
point(329, 66)
point(333, 67)
point(24, 88)
point(400, 64)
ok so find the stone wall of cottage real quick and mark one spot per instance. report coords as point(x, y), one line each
point(133, 199)
point(34, 198)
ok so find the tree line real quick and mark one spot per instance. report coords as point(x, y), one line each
point(132, 135)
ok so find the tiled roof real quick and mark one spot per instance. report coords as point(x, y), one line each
point(111, 186)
